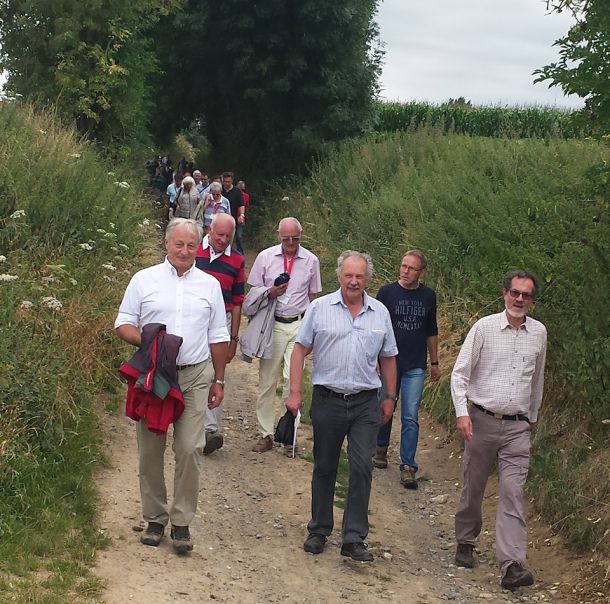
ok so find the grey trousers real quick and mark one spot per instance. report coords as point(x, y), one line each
point(334, 419)
point(188, 443)
point(509, 443)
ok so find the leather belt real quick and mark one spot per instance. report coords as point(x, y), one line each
point(288, 319)
point(512, 418)
point(346, 397)
point(181, 367)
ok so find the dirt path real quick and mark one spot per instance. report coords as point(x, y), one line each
point(250, 526)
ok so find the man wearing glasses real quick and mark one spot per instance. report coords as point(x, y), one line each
point(291, 259)
point(412, 308)
point(500, 369)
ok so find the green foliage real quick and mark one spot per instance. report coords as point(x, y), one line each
point(273, 80)
point(460, 117)
point(90, 59)
point(479, 207)
point(583, 68)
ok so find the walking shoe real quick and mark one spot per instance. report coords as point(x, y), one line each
point(181, 539)
point(314, 544)
point(356, 551)
point(153, 534)
point(407, 478)
point(263, 444)
point(464, 555)
point(213, 440)
point(380, 459)
point(516, 576)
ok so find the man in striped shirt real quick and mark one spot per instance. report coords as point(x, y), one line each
point(216, 258)
point(500, 369)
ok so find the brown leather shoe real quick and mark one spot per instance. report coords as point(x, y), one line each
point(380, 459)
point(516, 576)
point(181, 539)
point(265, 443)
point(213, 440)
point(153, 534)
point(464, 555)
point(407, 478)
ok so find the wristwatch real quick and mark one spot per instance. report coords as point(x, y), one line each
point(392, 397)
point(220, 382)
point(235, 338)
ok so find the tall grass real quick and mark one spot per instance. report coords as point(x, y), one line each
point(71, 234)
point(479, 207)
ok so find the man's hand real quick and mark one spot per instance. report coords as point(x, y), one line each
point(241, 219)
point(215, 396)
point(275, 291)
point(294, 402)
point(435, 373)
point(464, 427)
point(387, 410)
point(232, 350)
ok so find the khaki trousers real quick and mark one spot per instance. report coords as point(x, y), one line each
point(212, 416)
point(284, 336)
point(188, 443)
point(508, 442)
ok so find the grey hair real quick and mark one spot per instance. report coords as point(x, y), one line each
point(193, 225)
point(521, 274)
point(219, 216)
point(423, 261)
point(351, 253)
point(216, 187)
point(289, 220)
point(197, 172)
point(188, 180)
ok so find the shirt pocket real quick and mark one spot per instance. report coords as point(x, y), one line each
point(529, 363)
point(372, 342)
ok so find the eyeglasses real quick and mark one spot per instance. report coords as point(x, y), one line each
point(515, 293)
point(216, 195)
point(411, 268)
point(298, 238)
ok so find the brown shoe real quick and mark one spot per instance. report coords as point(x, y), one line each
point(213, 440)
point(464, 555)
point(153, 534)
point(517, 576)
point(407, 478)
point(263, 444)
point(181, 539)
point(380, 459)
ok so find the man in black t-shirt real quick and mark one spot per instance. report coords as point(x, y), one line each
point(412, 307)
point(238, 210)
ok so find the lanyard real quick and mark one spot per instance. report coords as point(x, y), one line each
point(288, 264)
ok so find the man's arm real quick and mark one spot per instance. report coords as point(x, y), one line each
point(130, 334)
point(432, 344)
point(235, 320)
point(218, 352)
point(295, 400)
point(388, 371)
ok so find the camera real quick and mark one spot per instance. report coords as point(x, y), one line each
point(281, 279)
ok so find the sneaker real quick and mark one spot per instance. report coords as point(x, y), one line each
point(380, 459)
point(181, 539)
point(407, 478)
point(213, 440)
point(464, 555)
point(314, 544)
point(357, 551)
point(263, 444)
point(153, 534)
point(517, 576)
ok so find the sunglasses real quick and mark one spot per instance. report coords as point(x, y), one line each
point(515, 293)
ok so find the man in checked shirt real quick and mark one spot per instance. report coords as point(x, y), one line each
point(500, 369)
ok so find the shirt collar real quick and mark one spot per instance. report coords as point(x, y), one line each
point(337, 298)
point(206, 244)
point(277, 251)
point(172, 269)
point(504, 322)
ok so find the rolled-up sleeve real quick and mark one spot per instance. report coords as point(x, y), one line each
point(131, 305)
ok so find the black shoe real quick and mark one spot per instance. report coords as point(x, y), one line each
point(464, 555)
point(153, 534)
point(181, 539)
point(516, 576)
point(356, 551)
point(213, 440)
point(314, 544)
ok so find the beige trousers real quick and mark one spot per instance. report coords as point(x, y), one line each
point(284, 336)
point(188, 443)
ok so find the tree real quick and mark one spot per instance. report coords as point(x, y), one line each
point(584, 64)
point(273, 80)
point(89, 58)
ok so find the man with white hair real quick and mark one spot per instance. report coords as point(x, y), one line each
point(189, 304)
point(299, 283)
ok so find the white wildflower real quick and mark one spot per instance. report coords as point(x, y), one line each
point(122, 183)
point(6, 277)
point(48, 279)
point(107, 278)
point(73, 281)
point(124, 247)
point(145, 222)
point(285, 198)
point(110, 173)
point(76, 155)
point(51, 302)
point(2, 259)
point(100, 231)
point(158, 226)
point(110, 235)
point(109, 267)
point(114, 248)
point(86, 246)
point(25, 304)
point(112, 225)
point(42, 131)
point(17, 214)
point(118, 258)
point(308, 197)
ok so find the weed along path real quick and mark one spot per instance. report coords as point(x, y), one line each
point(251, 524)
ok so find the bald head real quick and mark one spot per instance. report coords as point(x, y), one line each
point(222, 230)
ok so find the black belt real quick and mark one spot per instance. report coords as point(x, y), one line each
point(346, 397)
point(512, 418)
point(181, 367)
point(288, 319)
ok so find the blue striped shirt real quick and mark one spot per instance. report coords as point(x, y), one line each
point(345, 349)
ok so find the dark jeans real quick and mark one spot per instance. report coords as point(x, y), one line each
point(239, 238)
point(333, 419)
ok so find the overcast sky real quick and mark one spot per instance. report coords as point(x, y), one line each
point(483, 50)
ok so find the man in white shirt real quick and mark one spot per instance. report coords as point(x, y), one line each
point(190, 304)
point(500, 369)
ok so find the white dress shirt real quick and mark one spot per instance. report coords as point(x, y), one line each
point(190, 306)
point(501, 368)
